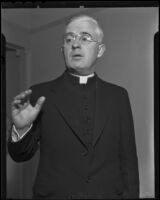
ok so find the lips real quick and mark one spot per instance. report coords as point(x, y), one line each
point(77, 55)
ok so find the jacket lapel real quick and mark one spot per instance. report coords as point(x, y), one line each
point(102, 110)
point(63, 101)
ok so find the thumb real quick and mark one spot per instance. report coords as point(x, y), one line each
point(39, 103)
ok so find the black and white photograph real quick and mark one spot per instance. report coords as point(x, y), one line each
point(80, 110)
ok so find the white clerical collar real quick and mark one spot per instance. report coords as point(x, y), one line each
point(83, 79)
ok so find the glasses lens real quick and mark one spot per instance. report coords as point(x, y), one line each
point(68, 39)
point(85, 38)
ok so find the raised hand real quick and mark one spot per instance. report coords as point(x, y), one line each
point(23, 113)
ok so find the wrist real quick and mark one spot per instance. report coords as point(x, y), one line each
point(21, 131)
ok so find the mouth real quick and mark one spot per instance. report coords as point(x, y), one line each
point(77, 56)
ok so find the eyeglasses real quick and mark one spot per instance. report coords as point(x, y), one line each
point(84, 38)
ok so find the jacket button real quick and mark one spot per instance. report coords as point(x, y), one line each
point(88, 179)
point(85, 107)
point(88, 119)
point(84, 153)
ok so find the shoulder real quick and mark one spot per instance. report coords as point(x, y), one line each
point(44, 86)
point(113, 89)
point(116, 93)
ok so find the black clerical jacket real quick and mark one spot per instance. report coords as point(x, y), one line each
point(68, 168)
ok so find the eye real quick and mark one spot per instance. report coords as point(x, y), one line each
point(85, 38)
point(68, 39)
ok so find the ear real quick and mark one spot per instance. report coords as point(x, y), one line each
point(62, 49)
point(101, 50)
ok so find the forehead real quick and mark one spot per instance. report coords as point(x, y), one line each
point(78, 26)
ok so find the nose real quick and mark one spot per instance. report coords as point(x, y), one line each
point(76, 44)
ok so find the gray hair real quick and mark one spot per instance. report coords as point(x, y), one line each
point(88, 18)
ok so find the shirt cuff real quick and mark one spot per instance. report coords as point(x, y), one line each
point(15, 135)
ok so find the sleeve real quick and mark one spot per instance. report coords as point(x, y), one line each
point(27, 146)
point(128, 153)
point(15, 135)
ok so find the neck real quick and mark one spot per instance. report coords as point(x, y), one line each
point(80, 73)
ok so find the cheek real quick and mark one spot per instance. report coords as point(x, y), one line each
point(66, 54)
point(92, 54)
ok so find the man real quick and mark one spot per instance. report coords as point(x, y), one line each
point(83, 124)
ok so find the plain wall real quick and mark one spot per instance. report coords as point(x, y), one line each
point(15, 34)
point(128, 62)
point(13, 87)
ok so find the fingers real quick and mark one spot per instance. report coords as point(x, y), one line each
point(21, 100)
point(23, 95)
point(39, 103)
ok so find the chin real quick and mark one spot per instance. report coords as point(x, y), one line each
point(80, 68)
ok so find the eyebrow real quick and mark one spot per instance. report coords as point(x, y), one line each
point(87, 33)
point(83, 32)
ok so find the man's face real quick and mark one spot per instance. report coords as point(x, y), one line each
point(81, 57)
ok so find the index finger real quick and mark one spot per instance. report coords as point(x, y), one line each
point(23, 95)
